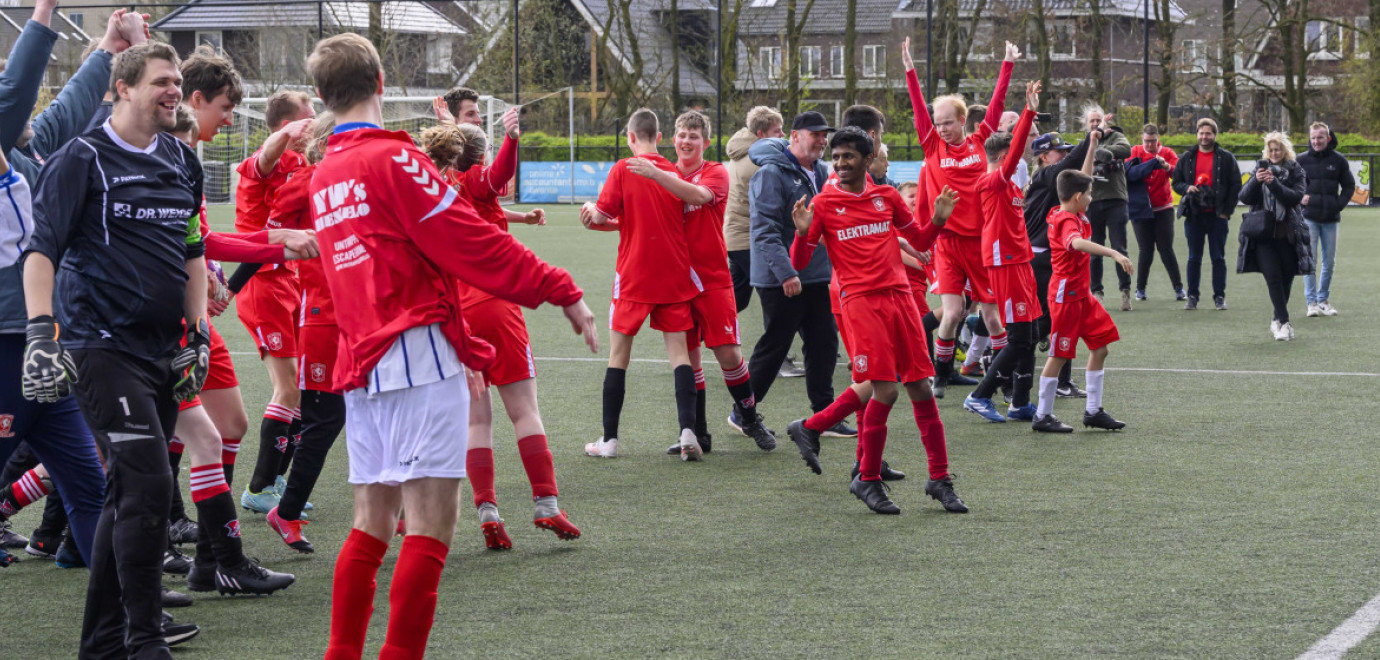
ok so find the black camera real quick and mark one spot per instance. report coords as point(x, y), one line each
point(1277, 171)
point(1044, 117)
point(1106, 164)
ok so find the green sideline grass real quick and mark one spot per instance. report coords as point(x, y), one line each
point(1234, 518)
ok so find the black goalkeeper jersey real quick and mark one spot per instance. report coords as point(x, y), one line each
point(121, 223)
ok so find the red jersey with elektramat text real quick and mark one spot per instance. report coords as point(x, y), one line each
point(653, 260)
point(395, 238)
point(704, 227)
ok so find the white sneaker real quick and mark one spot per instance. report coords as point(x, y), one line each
point(602, 448)
point(1327, 309)
point(689, 446)
point(1313, 310)
point(1288, 330)
point(1274, 330)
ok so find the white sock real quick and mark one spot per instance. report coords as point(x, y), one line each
point(976, 349)
point(1048, 390)
point(1094, 379)
point(965, 335)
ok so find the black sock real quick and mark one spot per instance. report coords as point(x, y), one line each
point(1066, 374)
point(178, 511)
point(273, 441)
point(1002, 363)
point(685, 396)
point(295, 437)
point(218, 531)
point(614, 383)
point(931, 324)
point(323, 417)
point(1023, 377)
point(701, 423)
point(229, 473)
point(743, 397)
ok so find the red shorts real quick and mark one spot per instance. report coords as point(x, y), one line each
point(888, 339)
point(316, 359)
point(221, 375)
point(1079, 317)
point(626, 316)
point(959, 269)
point(500, 323)
point(268, 307)
point(1014, 288)
point(715, 313)
point(847, 345)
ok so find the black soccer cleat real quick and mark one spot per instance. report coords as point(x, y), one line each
point(873, 494)
point(943, 491)
point(1050, 424)
point(175, 599)
point(1102, 420)
point(177, 633)
point(182, 531)
point(202, 576)
point(1070, 391)
point(888, 474)
point(10, 539)
point(755, 429)
point(938, 386)
point(251, 578)
point(960, 380)
point(808, 443)
point(175, 563)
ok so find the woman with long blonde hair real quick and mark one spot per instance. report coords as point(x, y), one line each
point(1273, 235)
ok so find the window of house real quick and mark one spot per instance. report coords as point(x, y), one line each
point(78, 19)
point(438, 55)
point(211, 37)
point(1062, 40)
point(836, 61)
point(1322, 39)
point(769, 61)
point(762, 3)
point(874, 61)
point(1193, 55)
point(1361, 46)
point(809, 61)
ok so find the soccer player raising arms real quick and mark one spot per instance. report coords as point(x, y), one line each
point(653, 278)
point(956, 159)
point(394, 239)
point(858, 222)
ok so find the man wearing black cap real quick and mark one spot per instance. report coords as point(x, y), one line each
point(1053, 156)
point(792, 300)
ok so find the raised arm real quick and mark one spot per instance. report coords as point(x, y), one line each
point(23, 75)
point(1090, 158)
point(1021, 135)
point(278, 144)
point(807, 233)
point(923, 123)
point(998, 103)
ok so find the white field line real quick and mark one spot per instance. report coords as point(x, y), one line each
point(1234, 372)
point(1352, 632)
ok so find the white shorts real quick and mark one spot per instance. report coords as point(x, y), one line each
point(412, 433)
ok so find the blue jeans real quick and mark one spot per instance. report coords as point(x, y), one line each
point(1214, 228)
point(1324, 239)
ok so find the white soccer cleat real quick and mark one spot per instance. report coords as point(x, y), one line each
point(1287, 329)
point(602, 448)
point(690, 446)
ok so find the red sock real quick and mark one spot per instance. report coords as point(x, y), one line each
point(943, 350)
point(352, 594)
point(412, 597)
point(208, 481)
point(862, 426)
point(479, 466)
point(847, 404)
point(536, 459)
point(999, 341)
point(175, 446)
point(875, 441)
point(229, 450)
point(932, 435)
point(29, 488)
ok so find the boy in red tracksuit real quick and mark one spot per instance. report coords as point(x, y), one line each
point(1074, 313)
point(394, 239)
point(858, 222)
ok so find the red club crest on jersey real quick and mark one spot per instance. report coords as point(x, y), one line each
point(1020, 309)
point(318, 371)
point(275, 341)
point(861, 362)
point(1064, 344)
point(6, 426)
point(878, 204)
point(232, 529)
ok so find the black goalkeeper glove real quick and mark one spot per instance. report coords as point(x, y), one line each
point(193, 362)
point(49, 372)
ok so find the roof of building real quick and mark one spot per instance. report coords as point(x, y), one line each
point(769, 16)
point(406, 17)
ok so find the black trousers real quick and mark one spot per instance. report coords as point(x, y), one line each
point(1044, 270)
point(1152, 235)
point(128, 404)
point(1109, 219)
point(740, 268)
point(1279, 264)
point(323, 417)
point(22, 460)
point(782, 317)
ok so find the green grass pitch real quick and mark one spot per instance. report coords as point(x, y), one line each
point(1233, 518)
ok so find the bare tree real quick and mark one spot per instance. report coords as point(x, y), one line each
point(1098, 25)
point(794, 28)
point(1166, 29)
point(1039, 28)
point(1227, 116)
point(850, 50)
point(674, 20)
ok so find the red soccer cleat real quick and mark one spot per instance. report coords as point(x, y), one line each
point(401, 529)
point(290, 531)
point(560, 525)
point(496, 537)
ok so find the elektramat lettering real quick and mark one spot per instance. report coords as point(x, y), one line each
point(871, 229)
point(951, 162)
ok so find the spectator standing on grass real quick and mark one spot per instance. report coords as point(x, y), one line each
point(1151, 207)
point(1330, 187)
point(1278, 247)
point(1108, 211)
point(1209, 180)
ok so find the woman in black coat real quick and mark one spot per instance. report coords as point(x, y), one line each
point(1277, 247)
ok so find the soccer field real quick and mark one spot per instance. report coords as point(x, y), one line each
point(1235, 517)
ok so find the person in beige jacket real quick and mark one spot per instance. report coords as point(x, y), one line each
point(762, 122)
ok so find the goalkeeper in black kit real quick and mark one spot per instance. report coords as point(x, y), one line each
point(117, 239)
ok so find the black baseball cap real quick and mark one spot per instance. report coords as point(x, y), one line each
point(810, 121)
point(1050, 142)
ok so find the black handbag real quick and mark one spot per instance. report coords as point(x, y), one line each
point(1256, 224)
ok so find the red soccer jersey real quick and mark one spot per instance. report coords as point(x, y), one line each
point(1071, 274)
point(291, 208)
point(475, 186)
point(859, 231)
point(1004, 238)
point(394, 239)
point(653, 260)
point(253, 195)
point(704, 227)
point(1157, 184)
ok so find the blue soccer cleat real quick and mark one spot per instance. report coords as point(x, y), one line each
point(984, 408)
point(1025, 413)
point(280, 486)
point(261, 502)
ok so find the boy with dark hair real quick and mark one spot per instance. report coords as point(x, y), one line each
point(1074, 313)
point(859, 222)
point(653, 278)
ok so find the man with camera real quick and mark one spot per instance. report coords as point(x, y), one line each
point(1108, 211)
point(1209, 181)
